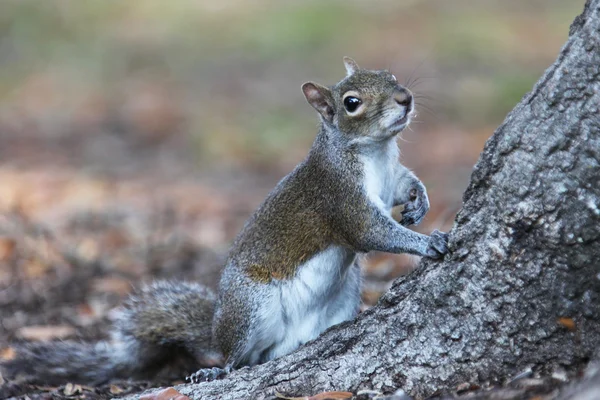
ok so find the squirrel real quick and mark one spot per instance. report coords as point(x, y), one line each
point(292, 271)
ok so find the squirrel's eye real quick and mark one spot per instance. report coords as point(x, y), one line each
point(351, 103)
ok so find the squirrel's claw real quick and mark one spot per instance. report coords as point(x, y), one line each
point(207, 375)
point(438, 244)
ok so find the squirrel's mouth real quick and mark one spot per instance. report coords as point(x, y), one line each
point(400, 123)
point(404, 120)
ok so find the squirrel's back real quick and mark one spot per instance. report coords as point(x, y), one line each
point(298, 218)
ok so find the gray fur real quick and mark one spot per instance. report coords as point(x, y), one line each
point(162, 331)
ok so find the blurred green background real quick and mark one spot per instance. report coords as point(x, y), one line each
point(126, 126)
point(217, 83)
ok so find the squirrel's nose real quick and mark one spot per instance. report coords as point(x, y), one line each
point(403, 97)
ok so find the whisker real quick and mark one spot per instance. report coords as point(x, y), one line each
point(429, 102)
point(425, 96)
point(429, 111)
point(407, 81)
point(426, 108)
point(404, 140)
point(417, 81)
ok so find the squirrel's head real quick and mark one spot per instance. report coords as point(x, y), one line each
point(364, 104)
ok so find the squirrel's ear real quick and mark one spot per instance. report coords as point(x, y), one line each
point(351, 66)
point(320, 98)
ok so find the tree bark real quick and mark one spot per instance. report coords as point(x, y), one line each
point(521, 287)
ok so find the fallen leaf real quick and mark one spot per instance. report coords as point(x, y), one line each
point(114, 389)
point(114, 285)
point(116, 239)
point(568, 323)
point(465, 387)
point(46, 332)
point(7, 354)
point(370, 297)
point(7, 248)
point(35, 268)
point(165, 394)
point(331, 396)
point(88, 249)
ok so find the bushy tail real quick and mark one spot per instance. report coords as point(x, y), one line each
point(163, 331)
point(62, 362)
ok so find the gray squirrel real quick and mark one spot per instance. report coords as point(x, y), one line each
point(292, 271)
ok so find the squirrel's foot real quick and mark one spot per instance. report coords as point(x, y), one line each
point(438, 244)
point(208, 374)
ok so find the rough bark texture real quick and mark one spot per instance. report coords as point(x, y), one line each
point(526, 253)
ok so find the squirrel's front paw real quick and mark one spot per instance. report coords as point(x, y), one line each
point(438, 244)
point(207, 375)
point(417, 206)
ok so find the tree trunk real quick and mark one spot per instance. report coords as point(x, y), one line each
point(521, 287)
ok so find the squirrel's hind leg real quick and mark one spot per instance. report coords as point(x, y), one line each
point(209, 374)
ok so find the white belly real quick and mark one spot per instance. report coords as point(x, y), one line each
point(380, 175)
point(325, 292)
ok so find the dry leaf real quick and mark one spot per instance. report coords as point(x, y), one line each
point(370, 297)
point(568, 323)
point(7, 248)
point(320, 396)
point(88, 249)
point(331, 396)
point(114, 389)
point(45, 333)
point(114, 285)
point(465, 387)
point(35, 268)
point(116, 239)
point(7, 354)
point(165, 394)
